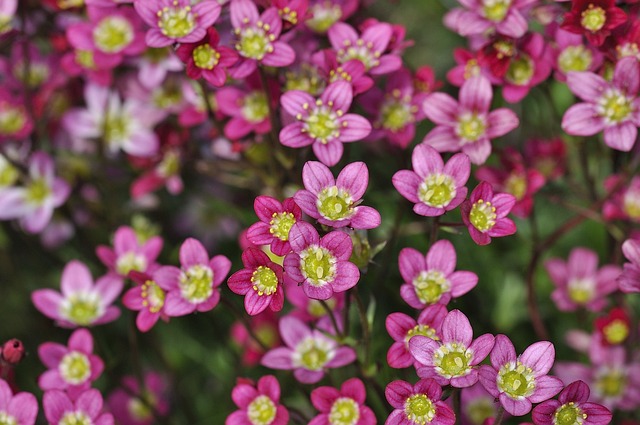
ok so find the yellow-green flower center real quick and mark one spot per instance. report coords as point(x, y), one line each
point(322, 124)
point(261, 411)
point(85, 58)
point(255, 108)
point(616, 331)
point(33, 75)
point(396, 114)
point(205, 56)
point(470, 127)
point(255, 42)
point(75, 368)
point(7, 419)
point(362, 51)
point(614, 106)
point(323, 16)
point(430, 286)
point(520, 70)
point(419, 409)
point(113, 34)
point(569, 414)
point(152, 296)
point(516, 184)
point(575, 58)
point(423, 330)
point(631, 203)
point(344, 411)
point(495, 10)
point(8, 173)
point(116, 128)
point(611, 383)
point(479, 410)
point(483, 215)
point(593, 18)
point(38, 191)
point(176, 22)
point(437, 190)
point(581, 291)
point(140, 407)
point(318, 265)
point(316, 309)
point(12, 119)
point(264, 280)
point(451, 360)
point(130, 261)
point(313, 354)
point(81, 308)
point(75, 418)
point(170, 164)
point(280, 225)
point(334, 203)
point(196, 283)
point(516, 380)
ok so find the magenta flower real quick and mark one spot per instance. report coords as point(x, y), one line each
point(18, 409)
point(352, 71)
point(434, 187)
point(571, 54)
point(72, 367)
point(194, 286)
point(308, 352)
point(81, 303)
point(148, 298)
point(485, 214)
point(609, 106)
point(259, 403)
point(33, 203)
point(629, 280)
point(452, 359)
point(571, 406)
point(480, 17)
point(418, 404)
point(345, 406)
point(324, 13)
point(336, 203)
point(257, 38)
point(321, 265)
point(467, 125)
point(275, 222)
point(402, 328)
point(129, 253)
point(310, 310)
point(623, 202)
point(131, 406)
point(16, 122)
point(207, 59)
point(260, 282)
point(176, 20)
point(323, 123)
point(86, 409)
point(522, 380)
point(431, 279)
point(248, 109)
point(579, 282)
point(477, 405)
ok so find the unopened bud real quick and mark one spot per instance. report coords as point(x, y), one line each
point(12, 351)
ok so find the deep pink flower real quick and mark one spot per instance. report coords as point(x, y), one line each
point(593, 18)
point(176, 20)
point(259, 403)
point(81, 303)
point(547, 156)
point(275, 222)
point(467, 125)
point(467, 66)
point(352, 71)
point(131, 406)
point(265, 327)
point(479, 17)
point(323, 123)
point(87, 408)
point(129, 253)
point(431, 279)
point(18, 409)
point(148, 298)
point(629, 280)
point(321, 264)
point(194, 286)
point(485, 214)
point(417, 404)
point(16, 123)
point(572, 405)
point(260, 282)
point(402, 328)
point(434, 187)
point(612, 107)
point(579, 282)
point(520, 380)
point(257, 38)
point(452, 359)
point(345, 406)
point(308, 352)
point(336, 202)
point(623, 203)
point(72, 367)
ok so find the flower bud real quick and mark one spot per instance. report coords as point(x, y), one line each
point(12, 351)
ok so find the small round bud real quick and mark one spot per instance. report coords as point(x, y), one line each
point(12, 351)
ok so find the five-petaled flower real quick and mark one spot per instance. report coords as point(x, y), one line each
point(417, 404)
point(344, 406)
point(275, 222)
point(485, 214)
point(259, 403)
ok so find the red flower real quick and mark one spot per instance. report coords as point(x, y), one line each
point(593, 18)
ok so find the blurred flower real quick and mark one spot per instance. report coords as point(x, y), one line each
point(134, 406)
point(8, 9)
point(129, 253)
point(549, 157)
point(479, 17)
point(485, 214)
point(417, 404)
point(264, 326)
point(594, 19)
point(477, 405)
point(275, 222)
point(18, 409)
point(259, 403)
point(629, 280)
point(614, 328)
point(87, 408)
point(308, 309)
point(324, 13)
point(571, 54)
point(623, 202)
point(344, 406)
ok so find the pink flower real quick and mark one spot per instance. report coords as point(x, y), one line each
point(572, 404)
point(16, 122)
point(610, 106)
point(265, 327)
point(431, 279)
point(260, 282)
point(129, 253)
point(434, 187)
point(308, 309)
point(207, 59)
point(257, 38)
point(87, 408)
point(259, 404)
point(571, 54)
point(453, 359)
point(467, 125)
point(148, 298)
point(477, 405)
point(321, 265)
point(485, 214)
point(81, 303)
point(336, 203)
point(323, 123)
point(275, 222)
point(131, 406)
point(343, 406)
point(417, 404)
point(176, 20)
point(72, 367)
point(18, 409)
point(402, 328)
point(352, 71)
point(479, 17)
point(33, 203)
point(324, 13)
point(522, 380)
point(623, 203)
point(579, 282)
point(629, 280)
point(308, 352)
point(194, 286)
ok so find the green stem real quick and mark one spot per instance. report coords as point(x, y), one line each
point(456, 404)
point(334, 322)
point(366, 331)
point(499, 416)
